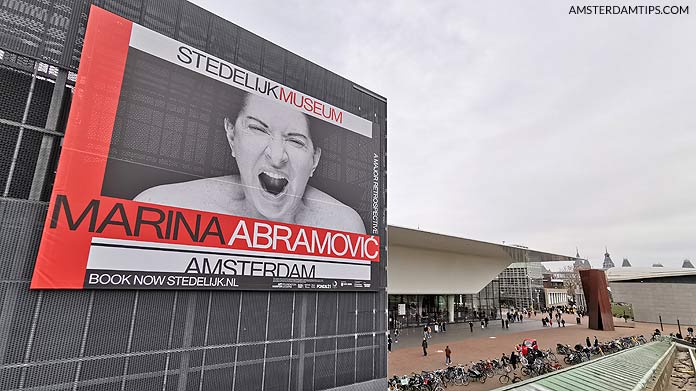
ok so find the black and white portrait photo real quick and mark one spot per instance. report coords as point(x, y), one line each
point(185, 140)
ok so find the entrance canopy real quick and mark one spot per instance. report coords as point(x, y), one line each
point(423, 262)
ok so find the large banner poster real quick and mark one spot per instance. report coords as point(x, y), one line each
point(180, 170)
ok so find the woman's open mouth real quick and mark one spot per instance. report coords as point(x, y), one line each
point(273, 183)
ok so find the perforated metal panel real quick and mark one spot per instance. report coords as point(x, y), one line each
point(147, 340)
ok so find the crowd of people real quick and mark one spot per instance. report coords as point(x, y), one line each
point(513, 315)
point(556, 315)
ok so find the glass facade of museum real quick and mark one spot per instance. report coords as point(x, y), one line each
point(420, 310)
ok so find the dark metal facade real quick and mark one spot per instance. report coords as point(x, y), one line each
point(157, 340)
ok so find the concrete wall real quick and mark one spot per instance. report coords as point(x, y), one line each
point(419, 271)
point(650, 299)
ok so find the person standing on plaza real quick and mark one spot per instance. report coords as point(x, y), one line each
point(482, 324)
point(485, 320)
point(563, 322)
point(396, 335)
point(425, 346)
point(507, 324)
point(587, 341)
point(471, 326)
point(389, 342)
point(596, 342)
point(448, 354)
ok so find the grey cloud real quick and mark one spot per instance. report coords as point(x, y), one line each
point(516, 121)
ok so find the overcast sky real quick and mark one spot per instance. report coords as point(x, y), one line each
point(515, 121)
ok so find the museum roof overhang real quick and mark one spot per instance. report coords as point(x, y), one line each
point(409, 237)
point(422, 262)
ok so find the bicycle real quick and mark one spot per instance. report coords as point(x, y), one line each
point(505, 378)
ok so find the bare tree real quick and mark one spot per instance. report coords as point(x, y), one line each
point(571, 279)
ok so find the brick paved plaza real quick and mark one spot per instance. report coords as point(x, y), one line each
point(407, 355)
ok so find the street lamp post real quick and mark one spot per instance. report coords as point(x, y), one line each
point(529, 279)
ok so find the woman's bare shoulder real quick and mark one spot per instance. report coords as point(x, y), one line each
point(190, 194)
point(323, 210)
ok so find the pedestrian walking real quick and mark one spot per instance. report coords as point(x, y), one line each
point(471, 326)
point(482, 324)
point(389, 342)
point(596, 343)
point(448, 354)
point(587, 341)
point(430, 332)
point(486, 321)
point(563, 322)
point(444, 327)
point(396, 335)
point(507, 324)
point(425, 346)
point(502, 321)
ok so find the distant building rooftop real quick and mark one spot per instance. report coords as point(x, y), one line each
point(641, 273)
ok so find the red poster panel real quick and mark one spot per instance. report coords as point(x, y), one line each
point(180, 170)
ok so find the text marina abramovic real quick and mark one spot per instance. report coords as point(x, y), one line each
point(132, 221)
point(249, 81)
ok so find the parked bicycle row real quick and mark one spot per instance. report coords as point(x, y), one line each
point(580, 352)
point(527, 361)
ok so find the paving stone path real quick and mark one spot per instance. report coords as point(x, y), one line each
point(683, 378)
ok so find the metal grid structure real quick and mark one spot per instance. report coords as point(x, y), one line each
point(157, 340)
point(521, 285)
